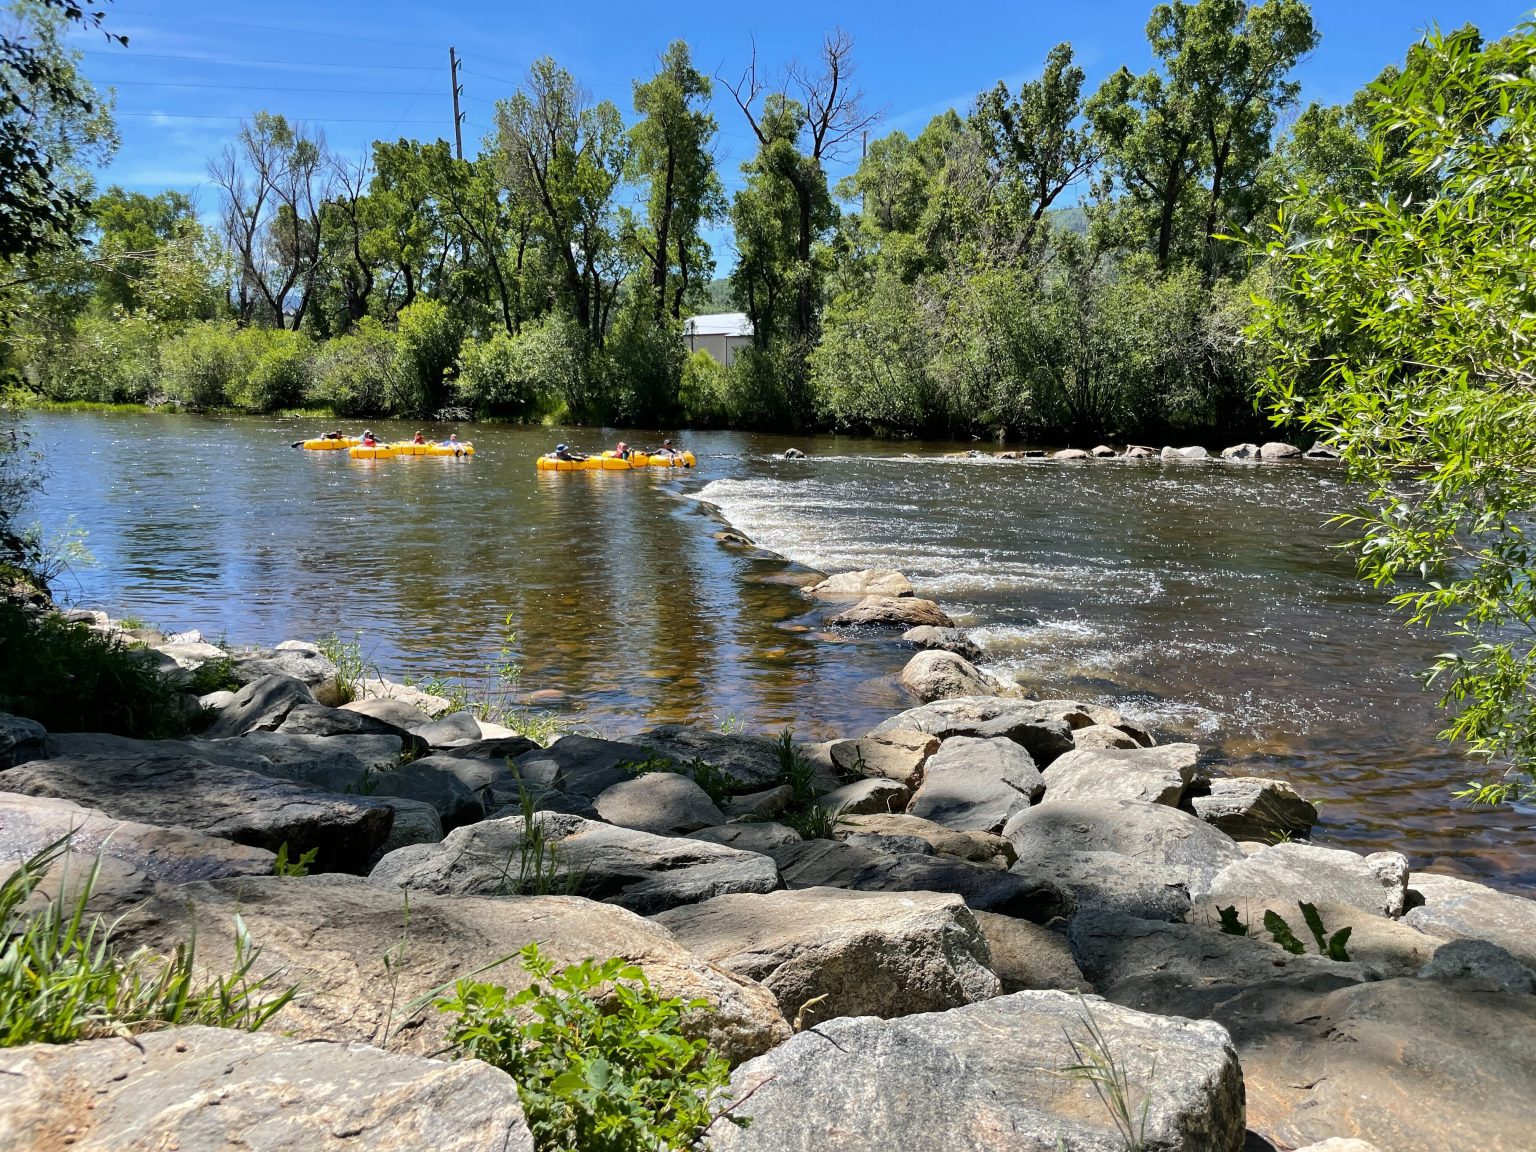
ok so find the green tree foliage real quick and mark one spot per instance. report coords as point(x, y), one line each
point(1401, 331)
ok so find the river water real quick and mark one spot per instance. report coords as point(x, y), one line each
point(1207, 601)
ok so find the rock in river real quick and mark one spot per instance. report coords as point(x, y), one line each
point(936, 674)
point(1044, 735)
point(894, 612)
point(849, 587)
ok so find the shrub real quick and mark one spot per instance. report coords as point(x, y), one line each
point(701, 392)
point(426, 348)
point(352, 372)
point(493, 377)
point(644, 364)
point(112, 359)
point(600, 1060)
point(278, 369)
point(205, 365)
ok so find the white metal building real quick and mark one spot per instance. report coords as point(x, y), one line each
point(722, 335)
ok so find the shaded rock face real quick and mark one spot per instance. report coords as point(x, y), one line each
point(898, 755)
point(20, 740)
point(666, 803)
point(1154, 775)
point(1042, 734)
point(850, 587)
point(1108, 880)
point(751, 761)
point(762, 838)
point(261, 705)
point(976, 785)
point(1027, 957)
point(867, 953)
point(236, 804)
point(893, 612)
point(332, 935)
point(1479, 964)
point(1376, 884)
point(499, 748)
point(332, 762)
point(977, 847)
point(303, 662)
point(936, 674)
point(866, 796)
point(946, 639)
point(636, 870)
point(1255, 808)
point(578, 766)
point(986, 1078)
point(1454, 909)
point(207, 1089)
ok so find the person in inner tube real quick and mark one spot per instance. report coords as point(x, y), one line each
point(623, 451)
point(453, 442)
point(369, 439)
point(563, 452)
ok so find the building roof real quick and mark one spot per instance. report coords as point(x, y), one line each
point(718, 324)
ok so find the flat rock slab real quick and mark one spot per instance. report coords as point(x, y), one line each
point(948, 639)
point(936, 674)
point(1141, 833)
point(666, 803)
point(977, 785)
point(866, 868)
point(898, 755)
point(636, 870)
point(236, 804)
point(1028, 957)
point(1255, 808)
point(1146, 889)
point(1461, 909)
point(1025, 722)
point(210, 1089)
point(1153, 775)
point(977, 847)
point(1375, 884)
point(374, 751)
point(754, 837)
point(866, 953)
point(751, 761)
point(987, 1078)
point(847, 587)
point(360, 952)
point(893, 612)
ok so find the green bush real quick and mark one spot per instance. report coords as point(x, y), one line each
point(205, 365)
point(701, 392)
point(113, 359)
point(600, 1060)
point(279, 367)
point(352, 372)
point(644, 364)
point(426, 349)
point(561, 368)
point(71, 679)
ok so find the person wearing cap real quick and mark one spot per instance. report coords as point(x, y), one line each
point(666, 449)
point(369, 439)
point(563, 452)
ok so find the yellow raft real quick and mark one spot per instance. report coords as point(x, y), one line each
point(409, 448)
point(608, 462)
point(330, 445)
point(370, 452)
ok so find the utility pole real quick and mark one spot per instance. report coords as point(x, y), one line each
point(458, 90)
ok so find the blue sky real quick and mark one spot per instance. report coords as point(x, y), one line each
point(379, 69)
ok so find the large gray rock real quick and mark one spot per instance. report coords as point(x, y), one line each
point(211, 1089)
point(636, 870)
point(1098, 737)
point(751, 761)
point(261, 705)
point(1043, 735)
point(939, 675)
point(20, 740)
point(976, 785)
point(1479, 964)
point(977, 847)
point(304, 662)
point(898, 755)
point(1028, 957)
point(1155, 775)
point(416, 822)
point(346, 754)
point(1146, 889)
point(396, 712)
point(367, 960)
point(865, 796)
point(320, 720)
point(866, 953)
point(1241, 452)
point(1141, 833)
point(893, 612)
point(848, 587)
point(1376, 884)
point(1455, 909)
point(454, 728)
point(764, 837)
point(946, 639)
point(492, 747)
point(579, 766)
point(1194, 452)
point(866, 866)
point(492, 781)
point(430, 781)
point(988, 1078)
point(1256, 808)
point(1275, 450)
point(666, 803)
point(239, 805)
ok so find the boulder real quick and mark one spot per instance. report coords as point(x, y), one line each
point(363, 956)
point(988, 1077)
point(209, 1089)
point(850, 587)
point(1027, 957)
point(1479, 964)
point(331, 761)
point(1140, 452)
point(954, 640)
point(378, 688)
point(1144, 834)
point(935, 674)
point(579, 766)
point(893, 612)
point(499, 747)
point(764, 805)
point(762, 838)
point(1042, 735)
point(1322, 452)
point(20, 740)
point(190, 655)
point(863, 953)
point(454, 728)
point(1104, 452)
point(301, 661)
point(1154, 775)
point(875, 794)
point(1376, 884)
point(239, 805)
point(1071, 454)
point(1241, 452)
point(490, 781)
point(1146, 889)
point(1454, 909)
point(898, 755)
point(320, 720)
point(431, 781)
point(1255, 808)
point(636, 870)
point(1385, 947)
point(396, 712)
point(867, 867)
point(666, 803)
point(1275, 450)
point(793, 454)
point(416, 822)
point(977, 847)
point(1101, 737)
point(751, 761)
point(1194, 452)
point(260, 705)
point(974, 784)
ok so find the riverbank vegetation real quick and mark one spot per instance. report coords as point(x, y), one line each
point(1045, 262)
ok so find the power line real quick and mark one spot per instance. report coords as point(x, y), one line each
point(253, 87)
point(225, 60)
point(306, 119)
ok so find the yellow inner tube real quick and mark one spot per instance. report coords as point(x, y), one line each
point(322, 445)
point(609, 462)
point(370, 452)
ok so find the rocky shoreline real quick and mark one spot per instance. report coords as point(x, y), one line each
point(901, 937)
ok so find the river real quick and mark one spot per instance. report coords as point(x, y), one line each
point(1207, 601)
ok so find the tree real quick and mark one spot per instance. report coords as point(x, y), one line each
point(131, 230)
point(1402, 332)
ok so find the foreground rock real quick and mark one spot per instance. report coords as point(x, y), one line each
point(210, 1089)
point(867, 954)
point(947, 639)
point(893, 612)
point(1154, 775)
point(1027, 957)
point(899, 755)
point(849, 587)
point(233, 803)
point(939, 675)
point(1376, 884)
point(976, 785)
point(1256, 808)
point(360, 953)
point(1454, 909)
point(636, 870)
point(1026, 722)
point(987, 1078)
point(20, 740)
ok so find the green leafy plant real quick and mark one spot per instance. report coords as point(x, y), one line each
point(62, 977)
point(799, 773)
point(283, 866)
point(352, 667)
point(601, 1060)
point(1276, 926)
point(814, 822)
point(1333, 946)
point(217, 675)
point(536, 870)
point(1096, 1064)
